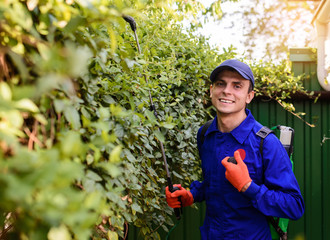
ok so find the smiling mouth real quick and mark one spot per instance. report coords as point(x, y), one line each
point(226, 101)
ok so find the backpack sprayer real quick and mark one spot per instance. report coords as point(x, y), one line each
point(177, 211)
point(286, 138)
point(280, 225)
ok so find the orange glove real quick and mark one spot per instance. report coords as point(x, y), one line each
point(237, 174)
point(173, 198)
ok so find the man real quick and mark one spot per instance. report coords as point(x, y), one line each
point(239, 196)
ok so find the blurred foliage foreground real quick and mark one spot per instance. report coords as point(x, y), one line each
point(79, 152)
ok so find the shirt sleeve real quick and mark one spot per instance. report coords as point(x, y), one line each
point(197, 188)
point(279, 195)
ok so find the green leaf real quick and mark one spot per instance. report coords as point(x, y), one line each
point(168, 125)
point(22, 68)
point(112, 235)
point(73, 24)
point(159, 136)
point(40, 119)
point(5, 91)
point(129, 155)
point(136, 208)
point(14, 118)
point(71, 144)
point(116, 110)
point(115, 154)
point(72, 116)
point(27, 104)
point(94, 176)
point(150, 115)
point(60, 232)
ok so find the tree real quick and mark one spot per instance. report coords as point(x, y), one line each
point(272, 27)
point(265, 29)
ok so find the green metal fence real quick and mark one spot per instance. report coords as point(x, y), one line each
point(311, 158)
point(311, 162)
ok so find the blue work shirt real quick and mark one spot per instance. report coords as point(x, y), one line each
point(274, 190)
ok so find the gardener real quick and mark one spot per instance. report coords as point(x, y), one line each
point(239, 196)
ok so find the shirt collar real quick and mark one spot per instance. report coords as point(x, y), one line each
point(241, 132)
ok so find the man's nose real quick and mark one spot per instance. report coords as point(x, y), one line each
point(226, 88)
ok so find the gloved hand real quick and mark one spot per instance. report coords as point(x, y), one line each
point(173, 198)
point(237, 174)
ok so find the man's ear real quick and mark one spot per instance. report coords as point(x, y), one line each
point(249, 97)
point(211, 86)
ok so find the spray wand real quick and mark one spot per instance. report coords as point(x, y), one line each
point(177, 211)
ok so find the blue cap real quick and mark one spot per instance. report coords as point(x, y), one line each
point(243, 69)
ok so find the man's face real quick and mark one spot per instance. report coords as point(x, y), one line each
point(230, 92)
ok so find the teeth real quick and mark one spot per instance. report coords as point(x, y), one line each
point(226, 101)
